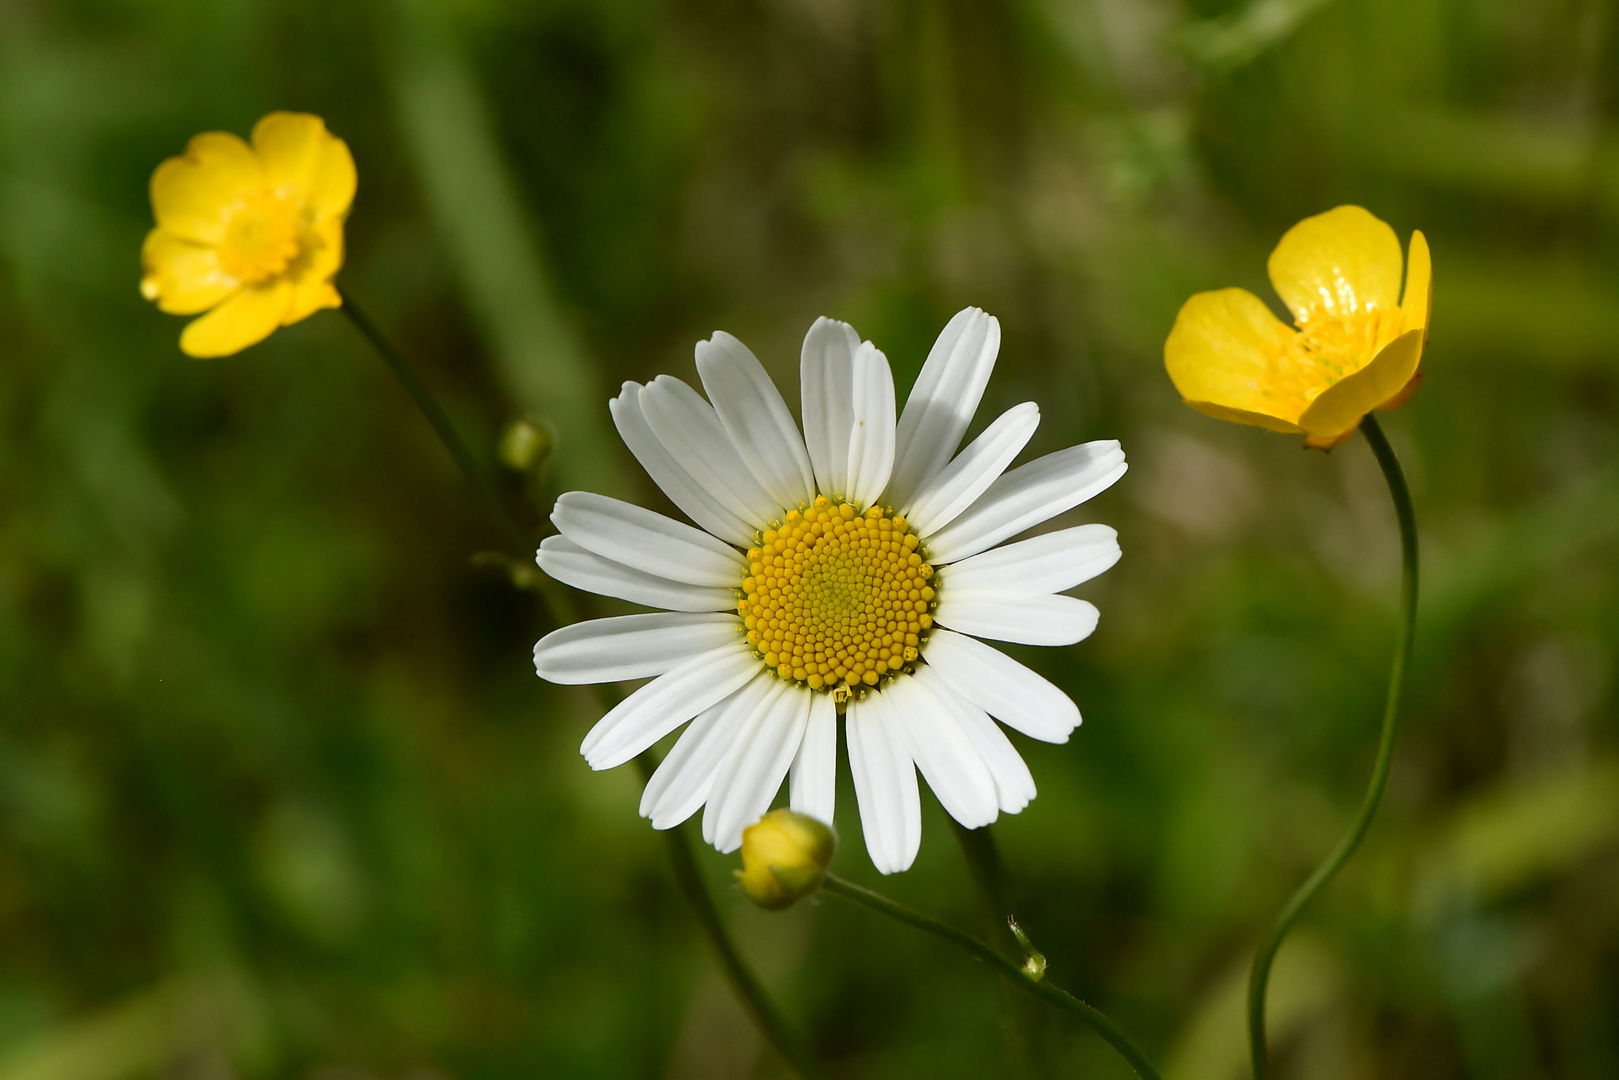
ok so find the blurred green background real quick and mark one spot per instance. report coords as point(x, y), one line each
point(280, 795)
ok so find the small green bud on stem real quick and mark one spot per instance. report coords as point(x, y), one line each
point(521, 575)
point(524, 444)
point(1034, 961)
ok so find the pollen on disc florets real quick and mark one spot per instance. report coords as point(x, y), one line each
point(837, 599)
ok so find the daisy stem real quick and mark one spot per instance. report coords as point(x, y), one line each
point(1041, 988)
point(988, 871)
point(774, 1026)
point(430, 408)
point(1260, 975)
point(755, 997)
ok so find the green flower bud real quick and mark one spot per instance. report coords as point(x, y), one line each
point(524, 444)
point(784, 858)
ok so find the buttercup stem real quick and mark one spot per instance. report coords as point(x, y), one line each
point(429, 407)
point(772, 1023)
point(1042, 989)
point(988, 871)
point(1260, 975)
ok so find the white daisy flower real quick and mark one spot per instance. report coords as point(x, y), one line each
point(851, 569)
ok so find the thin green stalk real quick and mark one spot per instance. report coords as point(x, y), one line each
point(988, 872)
point(774, 1027)
point(755, 997)
point(430, 408)
point(778, 1032)
point(1260, 975)
point(1041, 988)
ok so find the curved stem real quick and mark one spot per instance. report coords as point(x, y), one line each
point(430, 408)
point(988, 872)
point(1040, 988)
point(774, 1027)
point(772, 1023)
point(778, 1032)
point(1260, 975)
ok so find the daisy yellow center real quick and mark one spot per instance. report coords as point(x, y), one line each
point(261, 238)
point(837, 599)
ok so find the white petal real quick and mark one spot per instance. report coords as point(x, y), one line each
point(814, 786)
point(1049, 563)
point(871, 440)
point(756, 418)
point(647, 541)
point(631, 646)
point(666, 702)
point(690, 430)
point(750, 776)
point(1026, 618)
point(685, 492)
point(1014, 784)
point(1028, 495)
point(943, 401)
point(826, 380)
point(884, 785)
point(571, 564)
point(683, 780)
point(946, 757)
point(974, 469)
point(1002, 687)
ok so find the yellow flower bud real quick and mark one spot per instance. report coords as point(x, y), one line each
point(784, 858)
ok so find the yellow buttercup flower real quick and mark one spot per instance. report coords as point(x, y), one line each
point(1354, 350)
point(250, 234)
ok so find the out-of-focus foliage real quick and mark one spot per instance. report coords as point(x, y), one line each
point(280, 795)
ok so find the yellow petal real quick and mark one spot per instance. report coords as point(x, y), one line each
point(1405, 394)
point(1240, 416)
point(302, 159)
point(311, 275)
point(288, 145)
point(245, 319)
point(1328, 443)
point(193, 195)
point(184, 278)
point(1222, 354)
point(1337, 264)
point(1418, 299)
point(331, 189)
point(1341, 406)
